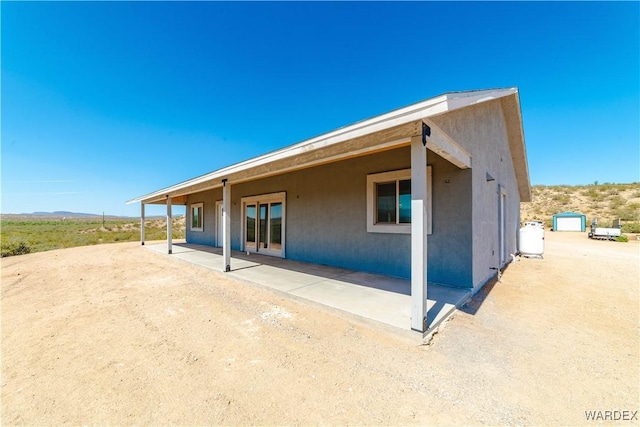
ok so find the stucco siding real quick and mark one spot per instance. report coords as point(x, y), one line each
point(326, 216)
point(450, 246)
point(207, 236)
point(481, 130)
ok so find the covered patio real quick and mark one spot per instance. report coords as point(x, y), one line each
point(347, 190)
point(370, 297)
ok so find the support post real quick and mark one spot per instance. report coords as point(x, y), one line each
point(169, 225)
point(142, 223)
point(418, 234)
point(226, 225)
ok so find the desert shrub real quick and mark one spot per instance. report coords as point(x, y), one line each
point(616, 201)
point(16, 248)
point(562, 198)
point(631, 227)
point(630, 212)
point(622, 238)
point(553, 209)
point(609, 188)
point(594, 194)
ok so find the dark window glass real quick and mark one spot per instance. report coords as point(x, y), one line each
point(404, 208)
point(386, 203)
point(195, 218)
point(251, 224)
point(276, 226)
point(263, 226)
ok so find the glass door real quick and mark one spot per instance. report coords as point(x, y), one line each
point(275, 226)
point(263, 240)
point(264, 225)
point(250, 228)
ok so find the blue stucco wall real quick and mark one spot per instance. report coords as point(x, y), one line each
point(208, 234)
point(326, 216)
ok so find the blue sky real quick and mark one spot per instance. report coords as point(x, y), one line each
point(106, 101)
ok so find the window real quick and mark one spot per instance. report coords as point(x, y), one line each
point(389, 202)
point(197, 211)
point(393, 202)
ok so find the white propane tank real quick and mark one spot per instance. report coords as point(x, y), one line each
point(532, 240)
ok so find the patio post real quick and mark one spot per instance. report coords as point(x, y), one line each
point(226, 225)
point(142, 223)
point(169, 224)
point(419, 232)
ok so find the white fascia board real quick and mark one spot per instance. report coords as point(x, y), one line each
point(464, 99)
point(431, 107)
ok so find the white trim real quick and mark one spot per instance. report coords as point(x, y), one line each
point(265, 197)
point(218, 223)
point(397, 175)
point(419, 247)
point(259, 199)
point(169, 226)
point(142, 220)
point(502, 226)
point(199, 205)
point(226, 229)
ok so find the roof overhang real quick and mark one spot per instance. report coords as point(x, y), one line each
point(515, 135)
point(387, 131)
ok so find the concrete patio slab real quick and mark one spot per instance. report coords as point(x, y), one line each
point(384, 306)
point(375, 297)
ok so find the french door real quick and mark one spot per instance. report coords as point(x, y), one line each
point(263, 224)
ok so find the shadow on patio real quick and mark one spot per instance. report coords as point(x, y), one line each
point(380, 298)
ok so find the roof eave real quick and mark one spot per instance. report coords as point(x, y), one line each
point(418, 111)
point(515, 134)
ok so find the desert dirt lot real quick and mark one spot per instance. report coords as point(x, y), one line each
point(117, 334)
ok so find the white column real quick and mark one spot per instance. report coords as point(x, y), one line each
point(226, 225)
point(169, 224)
point(142, 223)
point(418, 235)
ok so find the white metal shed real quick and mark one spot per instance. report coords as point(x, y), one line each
point(569, 221)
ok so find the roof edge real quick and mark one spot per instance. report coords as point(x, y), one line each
point(437, 105)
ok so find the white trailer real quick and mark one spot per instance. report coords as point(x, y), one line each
point(603, 233)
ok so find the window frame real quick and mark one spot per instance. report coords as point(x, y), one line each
point(200, 206)
point(386, 177)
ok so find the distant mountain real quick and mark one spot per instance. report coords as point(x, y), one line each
point(64, 213)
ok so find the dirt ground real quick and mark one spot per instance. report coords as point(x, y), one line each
point(117, 334)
